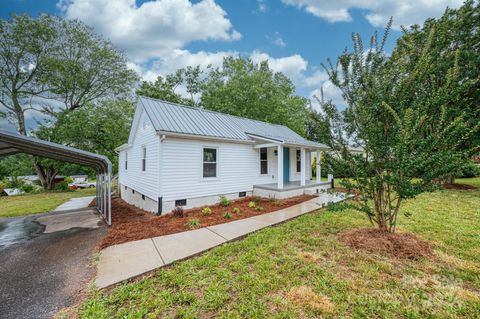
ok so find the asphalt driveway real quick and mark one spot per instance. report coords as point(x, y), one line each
point(44, 261)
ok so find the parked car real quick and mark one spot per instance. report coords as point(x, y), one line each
point(84, 185)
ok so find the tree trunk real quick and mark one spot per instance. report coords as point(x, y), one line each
point(22, 130)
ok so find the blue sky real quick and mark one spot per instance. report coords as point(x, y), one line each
point(296, 36)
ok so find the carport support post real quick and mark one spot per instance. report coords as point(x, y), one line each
point(105, 196)
point(102, 203)
point(319, 169)
point(109, 188)
point(97, 191)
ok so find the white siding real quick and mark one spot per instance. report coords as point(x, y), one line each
point(238, 168)
point(144, 182)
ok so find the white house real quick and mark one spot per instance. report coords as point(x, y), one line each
point(183, 156)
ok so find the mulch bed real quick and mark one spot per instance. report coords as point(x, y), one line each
point(458, 186)
point(397, 245)
point(132, 223)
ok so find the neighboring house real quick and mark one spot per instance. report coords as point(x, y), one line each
point(183, 156)
point(79, 178)
point(31, 179)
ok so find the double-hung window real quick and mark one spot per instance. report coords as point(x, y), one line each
point(144, 158)
point(299, 161)
point(209, 162)
point(263, 161)
point(126, 160)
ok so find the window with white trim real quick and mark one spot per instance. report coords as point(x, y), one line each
point(263, 161)
point(144, 158)
point(209, 162)
point(126, 160)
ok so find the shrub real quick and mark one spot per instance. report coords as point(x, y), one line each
point(27, 188)
point(206, 211)
point(257, 199)
point(227, 215)
point(236, 210)
point(62, 186)
point(193, 223)
point(469, 170)
point(178, 211)
point(252, 204)
point(259, 209)
point(224, 201)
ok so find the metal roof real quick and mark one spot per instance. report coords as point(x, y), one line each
point(169, 117)
point(12, 143)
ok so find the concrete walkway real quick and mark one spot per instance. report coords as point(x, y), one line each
point(128, 260)
point(75, 203)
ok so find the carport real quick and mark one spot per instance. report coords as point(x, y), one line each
point(12, 143)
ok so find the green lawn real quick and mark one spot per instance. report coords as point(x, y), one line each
point(300, 270)
point(20, 205)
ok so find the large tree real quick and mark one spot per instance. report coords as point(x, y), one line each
point(25, 45)
point(51, 59)
point(243, 88)
point(398, 111)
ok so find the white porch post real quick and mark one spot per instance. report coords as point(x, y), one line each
point(302, 167)
point(280, 166)
point(319, 170)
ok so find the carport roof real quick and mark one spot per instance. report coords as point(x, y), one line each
point(12, 143)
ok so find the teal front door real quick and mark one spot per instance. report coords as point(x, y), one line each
point(286, 164)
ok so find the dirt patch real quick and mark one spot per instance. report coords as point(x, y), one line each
point(397, 245)
point(458, 186)
point(306, 297)
point(131, 223)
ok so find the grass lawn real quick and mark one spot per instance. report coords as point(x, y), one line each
point(37, 203)
point(301, 270)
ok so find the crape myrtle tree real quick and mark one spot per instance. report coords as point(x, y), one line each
point(51, 59)
point(456, 40)
point(398, 111)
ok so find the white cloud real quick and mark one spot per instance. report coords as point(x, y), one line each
point(404, 12)
point(277, 39)
point(177, 59)
point(155, 27)
point(295, 67)
point(262, 6)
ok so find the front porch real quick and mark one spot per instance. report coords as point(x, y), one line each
point(293, 166)
point(290, 189)
point(288, 186)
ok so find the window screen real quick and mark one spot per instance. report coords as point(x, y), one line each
point(263, 161)
point(299, 164)
point(209, 162)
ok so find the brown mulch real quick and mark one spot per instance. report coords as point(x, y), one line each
point(458, 186)
point(132, 223)
point(397, 245)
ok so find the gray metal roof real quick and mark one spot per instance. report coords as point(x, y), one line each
point(12, 143)
point(174, 118)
